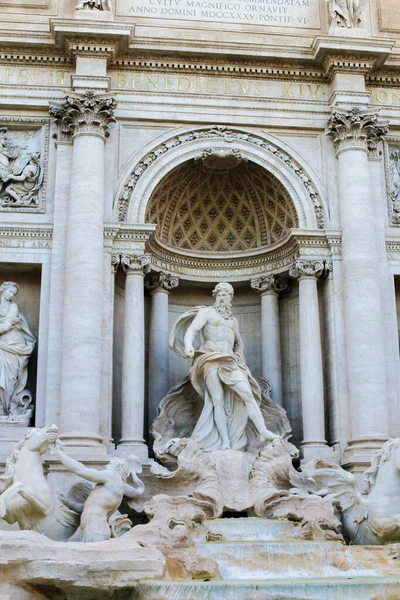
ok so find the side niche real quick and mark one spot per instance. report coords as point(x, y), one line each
point(23, 165)
point(393, 182)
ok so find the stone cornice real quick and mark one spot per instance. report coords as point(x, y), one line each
point(239, 266)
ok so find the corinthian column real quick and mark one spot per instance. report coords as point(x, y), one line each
point(354, 133)
point(311, 377)
point(87, 117)
point(269, 288)
point(160, 285)
point(132, 406)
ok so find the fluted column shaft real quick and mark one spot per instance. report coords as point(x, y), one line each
point(269, 288)
point(133, 382)
point(311, 374)
point(57, 284)
point(353, 133)
point(87, 116)
point(160, 286)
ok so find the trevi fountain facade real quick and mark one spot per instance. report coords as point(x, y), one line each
point(199, 299)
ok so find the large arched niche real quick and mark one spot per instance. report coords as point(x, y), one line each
point(220, 204)
point(160, 157)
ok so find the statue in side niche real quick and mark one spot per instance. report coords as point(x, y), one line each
point(106, 496)
point(93, 4)
point(370, 517)
point(16, 346)
point(345, 13)
point(219, 375)
point(27, 498)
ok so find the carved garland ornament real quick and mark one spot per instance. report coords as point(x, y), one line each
point(87, 113)
point(228, 135)
point(357, 128)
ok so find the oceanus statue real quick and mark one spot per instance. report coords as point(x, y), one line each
point(27, 498)
point(370, 517)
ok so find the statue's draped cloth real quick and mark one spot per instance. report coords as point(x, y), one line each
point(231, 372)
point(16, 346)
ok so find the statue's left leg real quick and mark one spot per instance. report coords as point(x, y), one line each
point(244, 391)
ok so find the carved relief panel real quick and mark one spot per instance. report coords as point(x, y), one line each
point(23, 165)
point(392, 156)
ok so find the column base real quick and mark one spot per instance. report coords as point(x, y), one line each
point(319, 449)
point(359, 452)
point(137, 447)
point(85, 443)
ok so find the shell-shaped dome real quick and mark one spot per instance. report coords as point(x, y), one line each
point(243, 208)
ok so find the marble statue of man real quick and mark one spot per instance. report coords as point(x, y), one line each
point(105, 497)
point(210, 335)
point(96, 4)
point(345, 13)
point(16, 346)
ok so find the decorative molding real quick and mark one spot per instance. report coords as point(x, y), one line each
point(307, 268)
point(220, 161)
point(84, 113)
point(356, 129)
point(157, 280)
point(227, 134)
point(139, 264)
point(269, 283)
point(239, 266)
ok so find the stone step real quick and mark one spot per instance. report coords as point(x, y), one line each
point(247, 529)
point(357, 588)
point(286, 559)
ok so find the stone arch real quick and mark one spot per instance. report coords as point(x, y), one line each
point(172, 149)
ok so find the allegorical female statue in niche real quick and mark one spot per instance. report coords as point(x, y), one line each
point(16, 346)
point(345, 13)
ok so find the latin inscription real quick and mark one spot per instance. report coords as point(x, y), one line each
point(385, 96)
point(229, 86)
point(216, 273)
point(34, 76)
point(15, 243)
point(281, 13)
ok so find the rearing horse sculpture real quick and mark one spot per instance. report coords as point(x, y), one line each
point(371, 517)
point(26, 496)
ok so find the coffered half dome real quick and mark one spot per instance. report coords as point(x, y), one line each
point(221, 205)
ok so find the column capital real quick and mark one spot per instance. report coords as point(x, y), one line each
point(307, 268)
point(159, 281)
point(356, 129)
point(84, 113)
point(269, 284)
point(136, 263)
point(115, 260)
